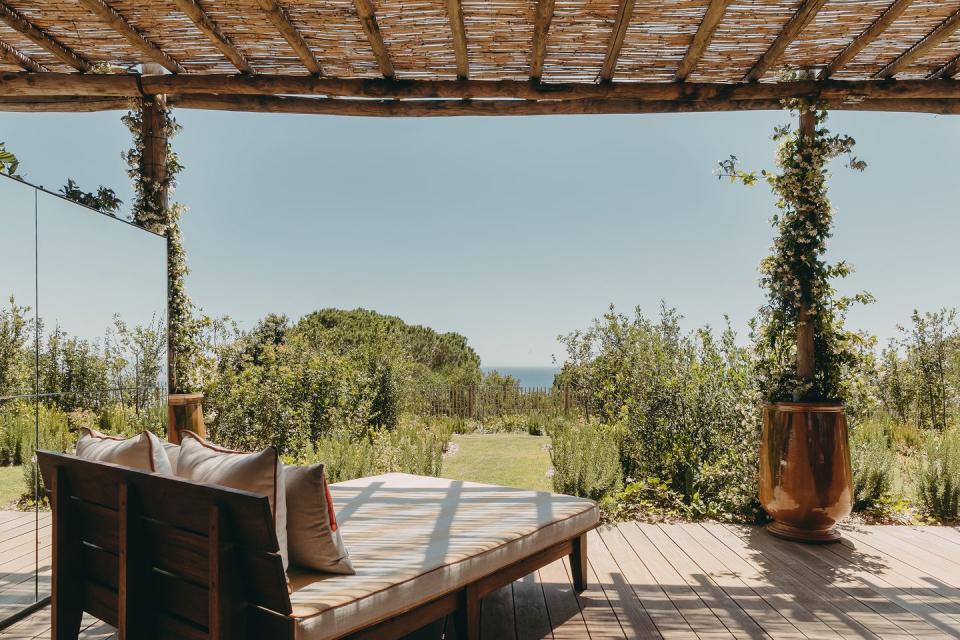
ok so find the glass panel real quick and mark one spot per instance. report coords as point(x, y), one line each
point(17, 283)
point(102, 300)
point(20, 583)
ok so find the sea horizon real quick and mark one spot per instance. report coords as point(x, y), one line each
point(528, 376)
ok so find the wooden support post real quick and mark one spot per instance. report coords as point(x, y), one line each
point(66, 608)
point(805, 335)
point(153, 115)
point(579, 568)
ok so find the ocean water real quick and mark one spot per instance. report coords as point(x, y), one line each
point(528, 376)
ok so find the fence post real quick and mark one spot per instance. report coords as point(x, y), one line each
point(471, 399)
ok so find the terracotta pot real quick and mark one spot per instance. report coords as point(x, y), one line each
point(806, 484)
point(184, 411)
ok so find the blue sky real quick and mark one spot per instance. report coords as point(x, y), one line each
point(514, 230)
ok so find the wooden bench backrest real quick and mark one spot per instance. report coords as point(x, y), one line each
point(161, 557)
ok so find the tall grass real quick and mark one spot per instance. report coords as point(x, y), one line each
point(874, 463)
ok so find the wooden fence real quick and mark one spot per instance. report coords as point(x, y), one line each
point(490, 401)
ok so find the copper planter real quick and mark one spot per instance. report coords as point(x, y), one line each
point(806, 484)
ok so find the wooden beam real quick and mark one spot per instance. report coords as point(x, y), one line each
point(624, 13)
point(711, 20)
point(540, 30)
point(63, 104)
point(943, 31)
point(370, 27)
point(125, 85)
point(12, 55)
point(442, 108)
point(455, 13)
point(281, 21)
point(948, 70)
point(797, 23)
point(14, 20)
point(419, 108)
point(109, 15)
point(209, 28)
point(872, 32)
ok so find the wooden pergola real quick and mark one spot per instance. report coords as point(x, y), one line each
point(479, 57)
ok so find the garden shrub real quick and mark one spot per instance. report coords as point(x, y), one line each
point(874, 464)
point(586, 459)
point(688, 403)
point(938, 475)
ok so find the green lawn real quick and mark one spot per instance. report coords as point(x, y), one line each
point(510, 459)
point(11, 485)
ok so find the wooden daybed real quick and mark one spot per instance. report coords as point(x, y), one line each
point(162, 557)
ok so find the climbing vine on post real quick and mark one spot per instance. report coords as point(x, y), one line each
point(153, 167)
point(796, 276)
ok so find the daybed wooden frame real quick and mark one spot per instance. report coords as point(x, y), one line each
point(161, 557)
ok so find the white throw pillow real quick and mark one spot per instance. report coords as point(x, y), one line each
point(144, 451)
point(260, 473)
point(313, 536)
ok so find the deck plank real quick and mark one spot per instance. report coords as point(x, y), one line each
point(691, 581)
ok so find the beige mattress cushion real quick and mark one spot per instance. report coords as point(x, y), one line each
point(413, 538)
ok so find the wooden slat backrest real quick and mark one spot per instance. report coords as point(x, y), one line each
point(160, 556)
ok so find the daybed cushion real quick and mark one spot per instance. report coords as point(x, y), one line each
point(414, 538)
point(143, 451)
point(260, 473)
point(313, 535)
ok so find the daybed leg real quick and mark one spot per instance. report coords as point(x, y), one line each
point(466, 619)
point(578, 563)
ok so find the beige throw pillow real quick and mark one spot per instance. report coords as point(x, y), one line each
point(144, 451)
point(260, 473)
point(313, 536)
point(173, 454)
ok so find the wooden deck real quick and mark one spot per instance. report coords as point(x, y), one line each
point(19, 549)
point(714, 581)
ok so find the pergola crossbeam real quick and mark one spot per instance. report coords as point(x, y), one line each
point(797, 23)
point(280, 20)
point(446, 108)
point(871, 33)
point(711, 20)
point(624, 13)
point(126, 85)
point(210, 29)
point(12, 55)
point(540, 30)
point(368, 19)
point(943, 31)
point(38, 36)
point(455, 13)
point(109, 15)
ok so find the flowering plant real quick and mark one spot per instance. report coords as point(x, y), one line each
point(796, 276)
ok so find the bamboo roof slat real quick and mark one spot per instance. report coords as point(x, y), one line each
point(537, 50)
point(109, 15)
point(22, 23)
point(931, 41)
point(17, 59)
point(211, 29)
point(803, 16)
point(277, 16)
point(857, 14)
